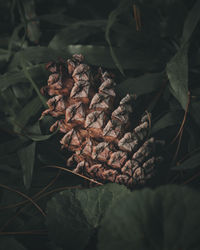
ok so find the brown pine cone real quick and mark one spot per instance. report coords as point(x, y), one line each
point(98, 131)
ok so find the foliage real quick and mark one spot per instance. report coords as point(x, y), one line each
point(152, 47)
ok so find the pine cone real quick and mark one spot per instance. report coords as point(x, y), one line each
point(98, 131)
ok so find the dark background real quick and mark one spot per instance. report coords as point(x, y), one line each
point(159, 61)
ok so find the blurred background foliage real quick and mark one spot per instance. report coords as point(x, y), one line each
point(152, 47)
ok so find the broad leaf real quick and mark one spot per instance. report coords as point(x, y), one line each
point(95, 55)
point(73, 215)
point(191, 22)
point(163, 219)
point(177, 71)
point(141, 85)
point(76, 33)
point(177, 68)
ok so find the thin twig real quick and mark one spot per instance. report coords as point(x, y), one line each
point(25, 196)
point(192, 178)
point(35, 196)
point(184, 119)
point(25, 232)
point(82, 176)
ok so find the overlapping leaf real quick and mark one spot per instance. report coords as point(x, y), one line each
point(74, 215)
point(147, 220)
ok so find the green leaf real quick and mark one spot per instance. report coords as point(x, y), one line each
point(112, 19)
point(141, 85)
point(10, 159)
point(73, 215)
point(95, 55)
point(177, 71)
point(9, 103)
point(190, 163)
point(191, 23)
point(4, 55)
point(163, 219)
point(195, 111)
point(12, 78)
point(76, 33)
point(11, 146)
point(35, 134)
point(10, 243)
point(28, 76)
point(177, 68)
point(26, 113)
point(167, 120)
point(27, 160)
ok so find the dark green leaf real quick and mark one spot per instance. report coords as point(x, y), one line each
point(76, 33)
point(112, 19)
point(10, 243)
point(177, 68)
point(28, 111)
point(191, 22)
point(27, 159)
point(190, 163)
point(177, 71)
point(10, 159)
point(73, 215)
point(195, 111)
point(163, 219)
point(4, 54)
point(34, 133)
point(141, 85)
point(12, 78)
point(9, 103)
point(11, 146)
point(167, 120)
point(28, 76)
point(94, 54)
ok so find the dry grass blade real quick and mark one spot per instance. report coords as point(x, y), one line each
point(184, 120)
point(136, 13)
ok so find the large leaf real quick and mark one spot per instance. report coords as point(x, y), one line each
point(27, 160)
point(11, 78)
point(177, 68)
point(141, 85)
point(111, 21)
point(177, 71)
point(73, 215)
point(164, 219)
point(76, 33)
point(95, 54)
point(191, 22)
